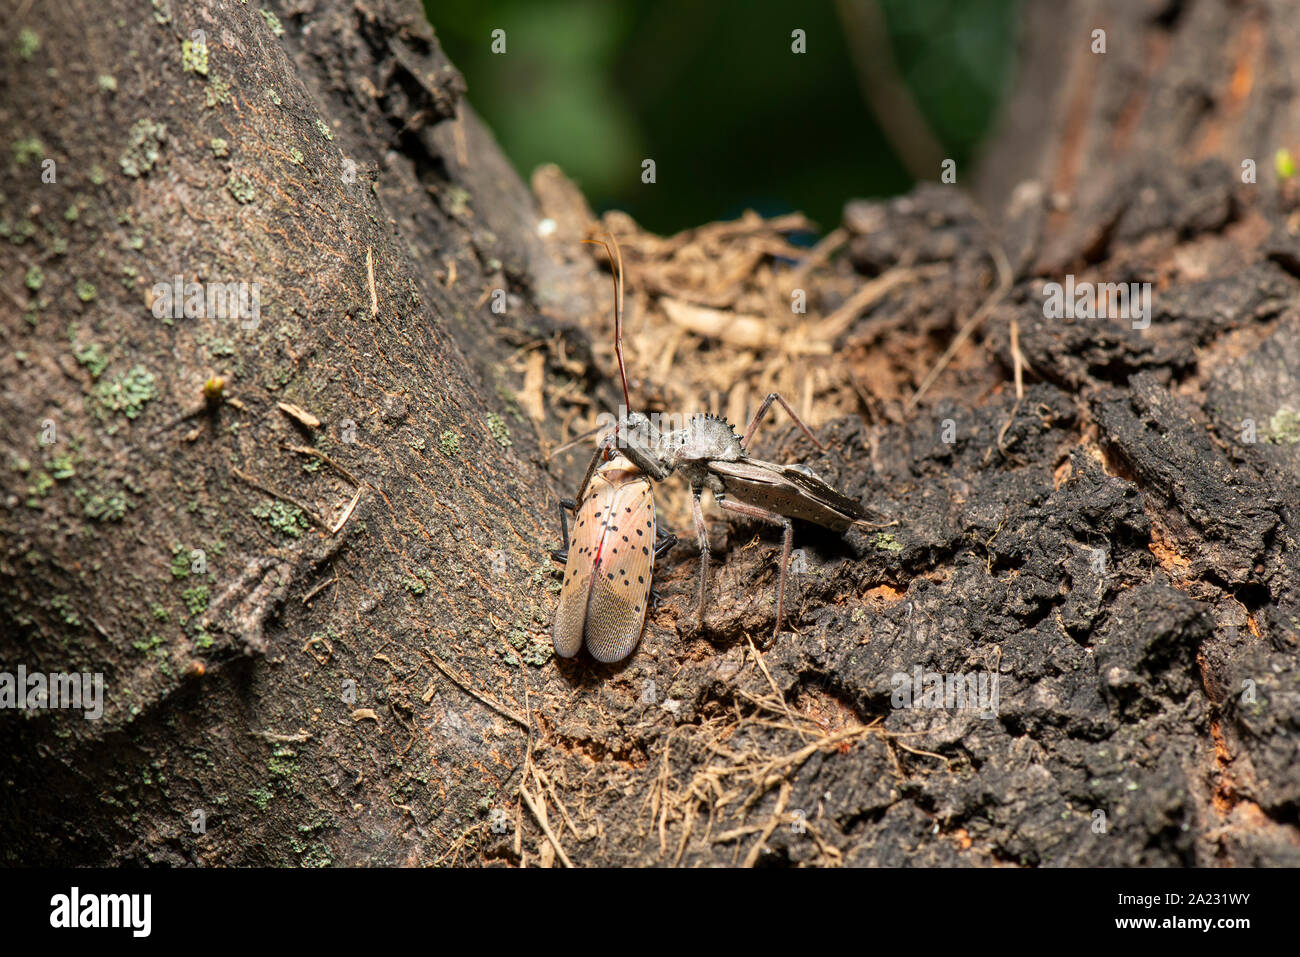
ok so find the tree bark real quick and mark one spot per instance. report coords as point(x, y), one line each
point(356, 668)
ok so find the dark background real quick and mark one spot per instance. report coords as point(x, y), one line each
point(713, 93)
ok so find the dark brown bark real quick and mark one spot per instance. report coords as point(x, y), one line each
point(1122, 688)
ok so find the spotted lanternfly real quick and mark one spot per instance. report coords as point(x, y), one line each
point(609, 564)
point(609, 560)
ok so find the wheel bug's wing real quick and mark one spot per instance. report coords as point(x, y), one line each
point(620, 584)
point(826, 495)
point(788, 491)
point(571, 615)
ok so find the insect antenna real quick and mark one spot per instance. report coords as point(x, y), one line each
point(578, 440)
point(616, 270)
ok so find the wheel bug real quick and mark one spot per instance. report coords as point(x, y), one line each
point(609, 563)
point(710, 455)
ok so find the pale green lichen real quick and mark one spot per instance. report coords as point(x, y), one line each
point(887, 543)
point(63, 605)
point(92, 357)
point(107, 83)
point(272, 22)
point(86, 291)
point(323, 129)
point(1284, 163)
point(219, 146)
point(35, 278)
point(286, 519)
point(535, 651)
point(62, 466)
point(240, 187)
point(41, 485)
point(145, 147)
point(296, 156)
point(499, 430)
point(148, 644)
point(217, 93)
point(29, 42)
point(196, 599)
point(180, 566)
point(194, 57)
point(450, 442)
point(100, 507)
point(1284, 427)
point(28, 149)
point(127, 393)
point(283, 763)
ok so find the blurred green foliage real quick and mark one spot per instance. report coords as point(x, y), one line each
point(712, 92)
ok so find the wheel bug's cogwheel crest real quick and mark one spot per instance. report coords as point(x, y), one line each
point(710, 417)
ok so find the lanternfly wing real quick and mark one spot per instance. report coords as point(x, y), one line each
point(571, 615)
point(620, 582)
point(788, 491)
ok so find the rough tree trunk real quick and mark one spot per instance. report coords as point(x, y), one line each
point(383, 693)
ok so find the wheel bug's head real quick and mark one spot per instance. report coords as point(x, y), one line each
point(706, 438)
point(638, 428)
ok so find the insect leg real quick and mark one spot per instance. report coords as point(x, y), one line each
point(754, 512)
point(665, 541)
point(762, 411)
point(561, 554)
point(601, 448)
point(702, 535)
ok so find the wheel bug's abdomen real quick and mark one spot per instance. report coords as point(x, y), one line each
point(609, 566)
